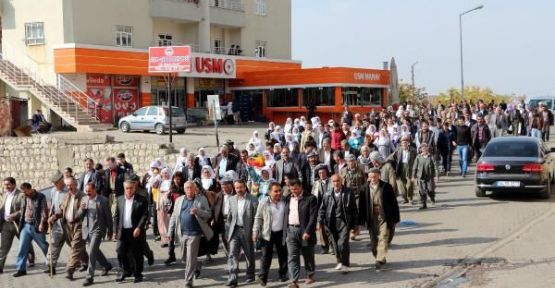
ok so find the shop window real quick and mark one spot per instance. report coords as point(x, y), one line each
point(260, 50)
point(261, 8)
point(34, 33)
point(124, 36)
point(165, 40)
point(282, 98)
point(362, 96)
point(322, 96)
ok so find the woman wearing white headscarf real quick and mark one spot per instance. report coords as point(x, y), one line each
point(384, 144)
point(278, 135)
point(291, 142)
point(208, 179)
point(202, 158)
point(181, 160)
point(163, 216)
point(269, 160)
point(288, 125)
point(255, 140)
point(260, 182)
point(251, 150)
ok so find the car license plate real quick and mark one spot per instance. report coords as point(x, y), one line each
point(507, 184)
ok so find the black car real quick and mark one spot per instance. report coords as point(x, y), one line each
point(515, 164)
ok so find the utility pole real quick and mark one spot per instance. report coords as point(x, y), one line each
point(412, 79)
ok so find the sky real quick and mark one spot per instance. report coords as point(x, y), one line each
point(509, 45)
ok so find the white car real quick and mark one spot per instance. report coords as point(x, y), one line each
point(154, 118)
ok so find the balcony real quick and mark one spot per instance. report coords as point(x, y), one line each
point(229, 13)
point(181, 10)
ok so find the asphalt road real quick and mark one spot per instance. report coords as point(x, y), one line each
point(499, 241)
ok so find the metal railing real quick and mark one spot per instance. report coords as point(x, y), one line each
point(24, 72)
point(236, 5)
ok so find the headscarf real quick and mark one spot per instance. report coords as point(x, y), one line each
point(269, 160)
point(288, 125)
point(255, 140)
point(267, 169)
point(202, 159)
point(207, 182)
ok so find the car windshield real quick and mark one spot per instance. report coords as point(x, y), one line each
point(176, 112)
point(512, 149)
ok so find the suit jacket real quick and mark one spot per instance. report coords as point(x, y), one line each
point(503, 121)
point(306, 172)
point(249, 211)
point(231, 163)
point(389, 202)
point(93, 178)
point(196, 172)
point(139, 215)
point(322, 158)
point(120, 178)
point(308, 216)
point(98, 223)
point(64, 208)
point(241, 170)
point(263, 220)
point(203, 215)
point(291, 167)
point(474, 135)
point(348, 207)
point(397, 158)
point(14, 207)
point(319, 190)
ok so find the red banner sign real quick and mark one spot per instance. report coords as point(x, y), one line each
point(169, 59)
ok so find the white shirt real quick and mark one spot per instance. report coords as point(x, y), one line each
point(8, 204)
point(226, 204)
point(86, 178)
point(223, 167)
point(294, 211)
point(69, 208)
point(240, 210)
point(405, 156)
point(277, 215)
point(327, 158)
point(127, 223)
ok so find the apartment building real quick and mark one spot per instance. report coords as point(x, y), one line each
point(94, 53)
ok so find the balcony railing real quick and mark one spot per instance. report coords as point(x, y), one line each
point(228, 4)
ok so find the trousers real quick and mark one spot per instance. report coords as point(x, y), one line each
point(127, 244)
point(190, 246)
point(379, 235)
point(78, 254)
point(29, 233)
point(276, 239)
point(240, 240)
point(8, 232)
point(426, 188)
point(339, 233)
point(295, 248)
point(95, 254)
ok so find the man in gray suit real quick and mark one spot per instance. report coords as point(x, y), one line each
point(188, 224)
point(58, 194)
point(498, 123)
point(96, 219)
point(242, 210)
point(286, 166)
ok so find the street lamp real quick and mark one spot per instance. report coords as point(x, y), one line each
point(461, 39)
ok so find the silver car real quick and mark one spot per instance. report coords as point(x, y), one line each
point(154, 118)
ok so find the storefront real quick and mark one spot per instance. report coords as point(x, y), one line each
point(264, 89)
point(115, 95)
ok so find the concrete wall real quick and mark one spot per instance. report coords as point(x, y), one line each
point(35, 159)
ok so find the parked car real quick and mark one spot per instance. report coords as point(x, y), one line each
point(515, 164)
point(155, 118)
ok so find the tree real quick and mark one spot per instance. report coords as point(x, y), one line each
point(472, 94)
point(407, 92)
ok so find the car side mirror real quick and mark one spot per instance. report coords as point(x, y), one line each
point(135, 114)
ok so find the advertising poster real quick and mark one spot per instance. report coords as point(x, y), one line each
point(117, 96)
point(99, 88)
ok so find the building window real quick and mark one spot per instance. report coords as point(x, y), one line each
point(362, 96)
point(282, 98)
point(165, 40)
point(124, 36)
point(322, 96)
point(218, 47)
point(34, 33)
point(260, 50)
point(261, 7)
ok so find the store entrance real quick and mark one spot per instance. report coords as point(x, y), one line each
point(250, 105)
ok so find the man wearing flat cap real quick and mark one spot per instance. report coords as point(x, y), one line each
point(58, 194)
point(404, 158)
point(309, 173)
point(353, 178)
point(320, 188)
point(387, 172)
point(379, 211)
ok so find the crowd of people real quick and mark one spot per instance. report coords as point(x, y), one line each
point(293, 187)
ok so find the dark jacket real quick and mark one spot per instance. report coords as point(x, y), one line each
point(38, 201)
point(120, 178)
point(196, 172)
point(308, 214)
point(397, 158)
point(231, 163)
point(389, 203)
point(95, 178)
point(139, 215)
point(329, 205)
point(474, 135)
